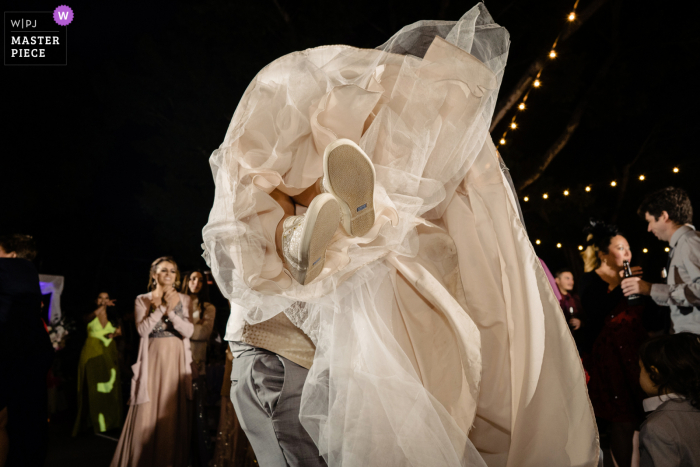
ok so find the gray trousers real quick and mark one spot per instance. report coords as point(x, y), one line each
point(266, 393)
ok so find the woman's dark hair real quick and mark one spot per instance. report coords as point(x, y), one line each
point(154, 268)
point(674, 201)
point(23, 245)
point(203, 294)
point(676, 364)
point(598, 238)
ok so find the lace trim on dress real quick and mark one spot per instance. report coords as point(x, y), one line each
point(164, 327)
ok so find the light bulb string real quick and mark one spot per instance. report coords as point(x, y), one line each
point(536, 82)
point(587, 188)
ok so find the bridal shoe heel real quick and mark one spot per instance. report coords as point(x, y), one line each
point(348, 174)
point(305, 238)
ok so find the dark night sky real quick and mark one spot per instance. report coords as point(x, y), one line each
point(105, 161)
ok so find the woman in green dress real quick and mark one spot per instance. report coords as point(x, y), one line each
point(99, 386)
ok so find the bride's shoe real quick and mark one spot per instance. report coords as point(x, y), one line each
point(306, 237)
point(348, 174)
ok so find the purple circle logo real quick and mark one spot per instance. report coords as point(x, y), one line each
point(63, 15)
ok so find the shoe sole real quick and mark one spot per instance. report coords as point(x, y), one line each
point(349, 175)
point(320, 224)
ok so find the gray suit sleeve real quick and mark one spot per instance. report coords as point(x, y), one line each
point(658, 445)
point(683, 294)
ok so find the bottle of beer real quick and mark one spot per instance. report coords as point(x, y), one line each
point(634, 299)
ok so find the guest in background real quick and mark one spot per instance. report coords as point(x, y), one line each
point(570, 302)
point(157, 428)
point(99, 379)
point(26, 354)
point(670, 375)
point(203, 317)
point(669, 214)
point(617, 333)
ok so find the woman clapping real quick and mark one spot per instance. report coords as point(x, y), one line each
point(156, 431)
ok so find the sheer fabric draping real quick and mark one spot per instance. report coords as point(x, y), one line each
point(432, 328)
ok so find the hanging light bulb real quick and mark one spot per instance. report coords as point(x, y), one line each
point(545, 196)
point(513, 125)
point(558, 245)
point(580, 248)
point(537, 83)
point(642, 177)
point(526, 199)
point(502, 141)
point(645, 250)
point(537, 241)
point(667, 249)
point(522, 106)
point(552, 54)
point(588, 188)
point(675, 170)
point(566, 192)
point(613, 183)
point(572, 16)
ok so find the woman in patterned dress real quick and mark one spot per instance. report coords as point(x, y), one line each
point(157, 427)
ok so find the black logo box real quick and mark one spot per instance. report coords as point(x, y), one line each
point(34, 38)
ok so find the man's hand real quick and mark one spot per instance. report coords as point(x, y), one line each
point(575, 323)
point(635, 285)
point(636, 271)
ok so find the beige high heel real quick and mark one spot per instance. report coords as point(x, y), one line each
point(349, 175)
point(305, 238)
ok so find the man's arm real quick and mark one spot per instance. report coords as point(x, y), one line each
point(683, 294)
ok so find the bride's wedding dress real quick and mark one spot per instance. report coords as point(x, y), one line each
point(439, 341)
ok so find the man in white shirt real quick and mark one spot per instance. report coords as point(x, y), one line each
point(669, 214)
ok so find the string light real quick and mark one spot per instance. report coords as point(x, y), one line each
point(526, 199)
point(613, 183)
point(502, 141)
point(645, 250)
point(537, 241)
point(580, 248)
point(566, 192)
point(588, 188)
point(675, 170)
point(667, 249)
point(558, 245)
point(641, 177)
point(545, 196)
point(537, 83)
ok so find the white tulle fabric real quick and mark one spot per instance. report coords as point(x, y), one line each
point(430, 330)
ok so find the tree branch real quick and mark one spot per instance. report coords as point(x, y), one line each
point(626, 172)
point(571, 126)
point(538, 64)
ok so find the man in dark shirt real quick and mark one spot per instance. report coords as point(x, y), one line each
point(570, 303)
point(25, 356)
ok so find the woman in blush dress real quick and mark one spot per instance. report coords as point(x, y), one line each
point(157, 427)
point(99, 382)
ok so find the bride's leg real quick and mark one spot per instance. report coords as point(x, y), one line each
point(305, 197)
point(288, 207)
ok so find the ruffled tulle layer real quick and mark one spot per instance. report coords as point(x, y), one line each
point(430, 330)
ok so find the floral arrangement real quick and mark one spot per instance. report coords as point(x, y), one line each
point(58, 332)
